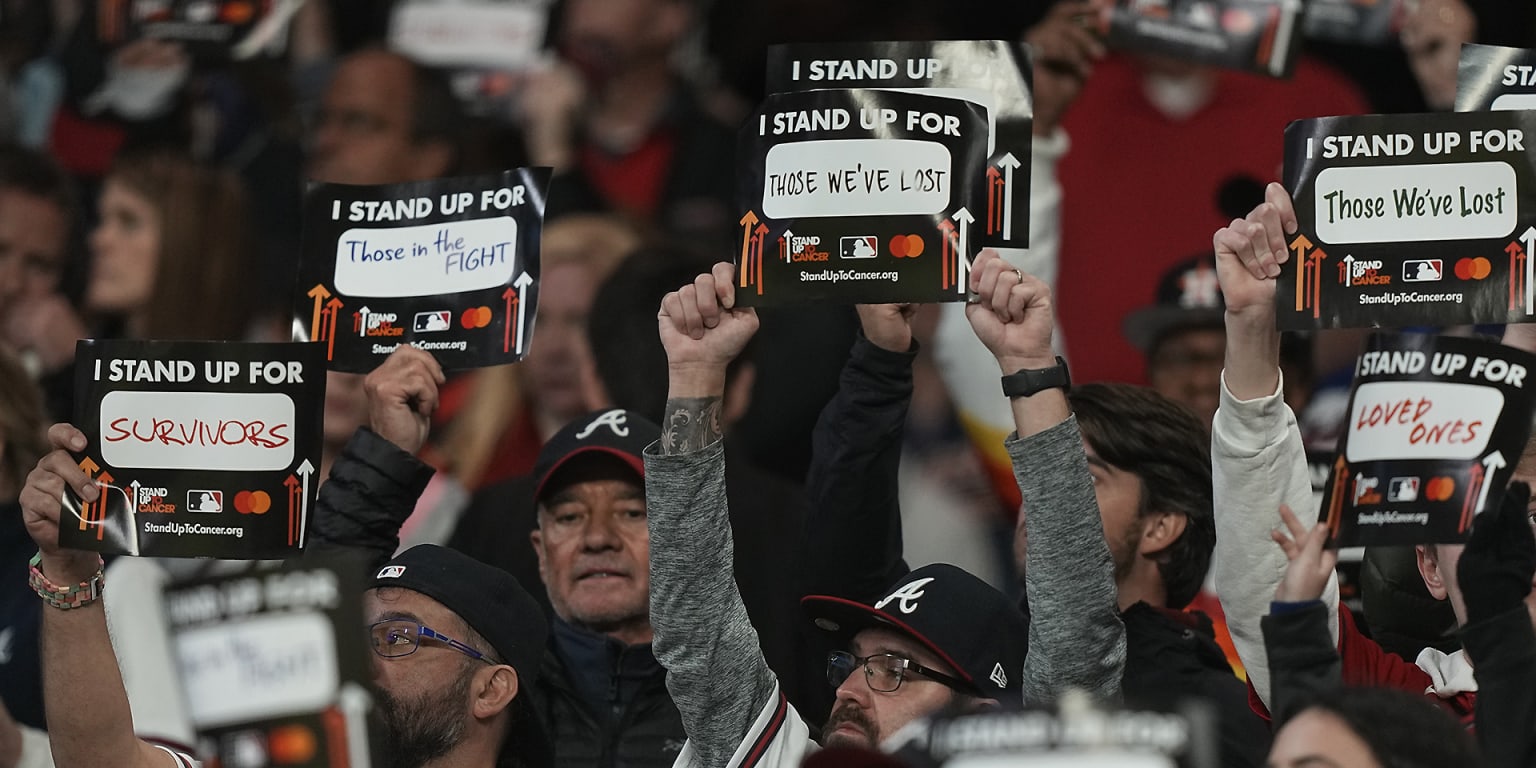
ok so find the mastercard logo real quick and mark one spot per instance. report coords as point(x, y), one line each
point(1473, 269)
point(253, 502)
point(475, 317)
point(1440, 489)
point(907, 246)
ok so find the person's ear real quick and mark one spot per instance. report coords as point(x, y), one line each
point(1429, 569)
point(976, 704)
point(536, 538)
point(1160, 530)
point(493, 689)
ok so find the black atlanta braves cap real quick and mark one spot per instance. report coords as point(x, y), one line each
point(616, 432)
point(1188, 296)
point(973, 627)
point(495, 605)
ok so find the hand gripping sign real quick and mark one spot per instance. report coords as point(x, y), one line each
point(450, 266)
point(989, 73)
point(1260, 36)
point(1410, 220)
point(1436, 427)
point(856, 196)
point(215, 30)
point(288, 642)
point(1491, 77)
point(199, 449)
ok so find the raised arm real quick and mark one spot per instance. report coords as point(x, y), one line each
point(1258, 462)
point(722, 686)
point(89, 721)
point(855, 461)
point(1076, 638)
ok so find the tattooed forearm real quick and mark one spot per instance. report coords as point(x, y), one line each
point(692, 424)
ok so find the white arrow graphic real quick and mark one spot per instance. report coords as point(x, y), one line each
point(1529, 238)
point(963, 253)
point(1008, 163)
point(1493, 462)
point(135, 486)
point(789, 237)
point(362, 326)
point(305, 470)
point(521, 283)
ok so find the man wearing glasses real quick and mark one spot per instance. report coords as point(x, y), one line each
point(938, 639)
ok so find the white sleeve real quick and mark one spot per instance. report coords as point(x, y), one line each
point(779, 738)
point(1258, 462)
point(141, 640)
point(36, 752)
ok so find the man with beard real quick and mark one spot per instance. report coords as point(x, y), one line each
point(458, 643)
point(939, 638)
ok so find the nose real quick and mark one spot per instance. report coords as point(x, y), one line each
point(601, 533)
point(854, 689)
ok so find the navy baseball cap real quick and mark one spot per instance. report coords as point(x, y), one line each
point(1188, 296)
point(616, 432)
point(973, 627)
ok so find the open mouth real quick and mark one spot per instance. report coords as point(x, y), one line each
point(601, 574)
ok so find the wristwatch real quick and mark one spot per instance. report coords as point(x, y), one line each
point(1030, 381)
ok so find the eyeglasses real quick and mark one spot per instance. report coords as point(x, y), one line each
point(393, 638)
point(885, 671)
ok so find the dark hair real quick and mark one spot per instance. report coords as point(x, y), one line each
point(1163, 444)
point(1402, 730)
point(436, 114)
point(36, 174)
point(202, 283)
point(22, 425)
point(621, 329)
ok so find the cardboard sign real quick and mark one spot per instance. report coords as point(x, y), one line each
point(1436, 427)
point(858, 196)
point(1410, 220)
point(482, 34)
point(208, 29)
point(1251, 35)
point(274, 665)
point(199, 449)
point(992, 74)
point(450, 266)
point(1360, 22)
point(1496, 78)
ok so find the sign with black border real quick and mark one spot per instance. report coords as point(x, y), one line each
point(450, 266)
point(1410, 220)
point(198, 449)
point(1436, 427)
point(993, 74)
point(210, 30)
point(854, 196)
point(1492, 77)
point(1261, 36)
point(290, 642)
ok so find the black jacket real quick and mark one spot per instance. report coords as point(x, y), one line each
point(1173, 655)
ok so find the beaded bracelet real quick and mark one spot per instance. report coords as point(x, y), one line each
point(78, 596)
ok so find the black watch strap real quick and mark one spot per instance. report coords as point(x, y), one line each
point(1030, 381)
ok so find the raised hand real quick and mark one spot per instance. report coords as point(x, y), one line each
point(701, 327)
point(1064, 48)
point(1251, 251)
point(888, 326)
point(402, 395)
point(1012, 315)
point(1312, 560)
point(42, 504)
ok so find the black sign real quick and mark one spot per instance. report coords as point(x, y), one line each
point(1360, 22)
point(209, 29)
point(274, 666)
point(450, 266)
point(993, 74)
point(199, 449)
point(1492, 77)
point(1410, 220)
point(1252, 35)
point(1436, 427)
point(858, 196)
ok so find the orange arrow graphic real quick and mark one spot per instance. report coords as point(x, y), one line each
point(1336, 500)
point(319, 294)
point(746, 222)
point(1300, 245)
point(292, 482)
point(510, 297)
point(105, 478)
point(331, 308)
point(90, 467)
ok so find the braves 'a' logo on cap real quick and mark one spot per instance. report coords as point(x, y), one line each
point(613, 420)
point(391, 572)
point(906, 596)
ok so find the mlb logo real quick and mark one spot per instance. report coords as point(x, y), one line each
point(1403, 489)
point(1423, 270)
point(391, 572)
point(862, 247)
point(205, 501)
point(428, 322)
